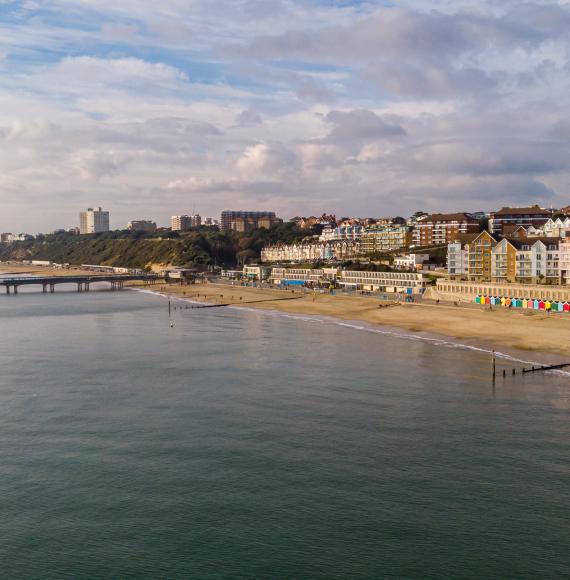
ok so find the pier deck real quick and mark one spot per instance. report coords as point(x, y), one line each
point(83, 282)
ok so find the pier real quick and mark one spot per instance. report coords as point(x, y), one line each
point(48, 283)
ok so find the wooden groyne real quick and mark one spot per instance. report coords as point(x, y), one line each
point(546, 368)
point(242, 303)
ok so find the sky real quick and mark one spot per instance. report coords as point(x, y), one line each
point(361, 108)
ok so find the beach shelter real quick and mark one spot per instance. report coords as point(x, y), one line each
point(494, 301)
point(518, 303)
point(566, 307)
point(508, 302)
point(541, 305)
point(503, 301)
point(487, 300)
point(558, 306)
point(478, 299)
point(525, 303)
point(535, 304)
point(548, 305)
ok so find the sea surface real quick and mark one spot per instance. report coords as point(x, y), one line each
point(240, 444)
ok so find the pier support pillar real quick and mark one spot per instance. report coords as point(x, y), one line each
point(7, 289)
point(79, 287)
point(52, 288)
point(86, 286)
point(15, 289)
point(44, 288)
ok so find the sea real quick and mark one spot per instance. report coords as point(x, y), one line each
point(230, 443)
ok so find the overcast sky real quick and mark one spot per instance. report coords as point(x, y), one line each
point(151, 108)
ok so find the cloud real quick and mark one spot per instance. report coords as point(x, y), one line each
point(294, 105)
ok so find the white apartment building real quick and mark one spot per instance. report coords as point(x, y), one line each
point(410, 261)
point(93, 221)
point(457, 260)
point(564, 260)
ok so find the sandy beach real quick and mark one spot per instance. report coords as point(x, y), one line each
point(500, 328)
point(497, 328)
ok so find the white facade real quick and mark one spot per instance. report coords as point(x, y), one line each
point(457, 259)
point(142, 226)
point(310, 251)
point(410, 261)
point(93, 221)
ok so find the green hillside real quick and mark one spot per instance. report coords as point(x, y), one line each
point(201, 247)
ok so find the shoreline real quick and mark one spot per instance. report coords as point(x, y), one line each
point(515, 334)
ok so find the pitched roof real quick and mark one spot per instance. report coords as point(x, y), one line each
point(532, 210)
point(448, 217)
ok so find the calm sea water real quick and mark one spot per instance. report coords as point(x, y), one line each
point(249, 445)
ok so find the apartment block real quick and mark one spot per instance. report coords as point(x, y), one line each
point(479, 256)
point(439, 229)
point(505, 220)
point(384, 239)
point(182, 223)
point(246, 221)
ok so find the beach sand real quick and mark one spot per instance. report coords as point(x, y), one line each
point(523, 330)
point(500, 328)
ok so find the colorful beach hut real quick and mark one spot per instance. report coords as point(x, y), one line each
point(535, 304)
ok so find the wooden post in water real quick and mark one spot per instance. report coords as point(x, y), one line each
point(494, 365)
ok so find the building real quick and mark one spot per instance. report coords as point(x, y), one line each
point(479, 254)
point(256, 273)
point(383, 239)
point(182, 223)
point(410, 261)
point(142, 226)
point(439, 229)
point(500, 221)
point(456, 290)
point(8, 238)
point(246, 221)
point(323, 277)
point(400, 282)
point(93, 221)
point(564, 260)
point(311, 251)
point(345, 232)
point(526, 260)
